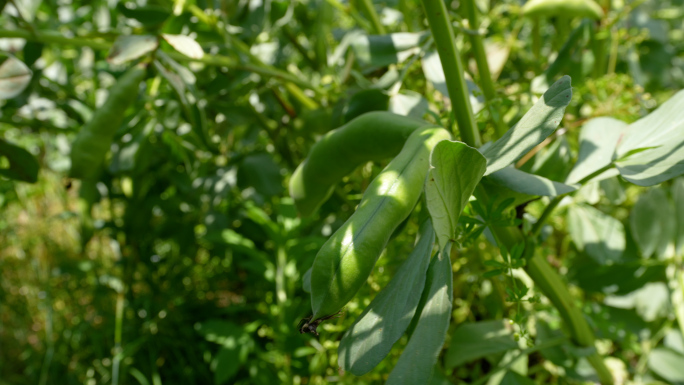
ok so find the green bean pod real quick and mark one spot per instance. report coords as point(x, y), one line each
point(346, 260)
point(373, 136)
point(566, 8)
point(93, 141)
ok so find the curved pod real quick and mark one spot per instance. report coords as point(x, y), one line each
point(370, 137)
point(346, 260)
point(93, 141)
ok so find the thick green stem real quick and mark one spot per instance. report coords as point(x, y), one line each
point(443, 33)
point(369, 10)
point(614, 45)
point(483, 67)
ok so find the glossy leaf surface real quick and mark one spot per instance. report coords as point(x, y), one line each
point(386, 318)
point(417, 362)
point(538, 123)
point(455, 170)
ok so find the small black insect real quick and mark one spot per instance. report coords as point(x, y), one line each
point(67, 184)
point(308, 326)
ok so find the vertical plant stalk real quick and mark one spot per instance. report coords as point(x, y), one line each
point(483, 67)
point(600, 36)
point(542, 274)
point(614, 45)
point(443, 33)
point(370, 12)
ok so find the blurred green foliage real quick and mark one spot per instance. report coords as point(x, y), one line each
point(183, 262)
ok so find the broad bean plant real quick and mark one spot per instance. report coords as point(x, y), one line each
point(181, 141)
point(446, 173)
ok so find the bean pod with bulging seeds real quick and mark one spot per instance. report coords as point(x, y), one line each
point(370, 137)
point(346, 260)
point(93, 141)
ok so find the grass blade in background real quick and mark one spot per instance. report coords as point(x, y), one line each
point(660, 135)
point(22, 164)
point(526, 183)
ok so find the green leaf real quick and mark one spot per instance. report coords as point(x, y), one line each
point(438, 378)
point(651, 301)
point(185, 45)
point(654, 166)
point(373, 51)
point(235, 345)
point(125, 158)
point(531, 184)
point(89, 148)
point(14, 76)
point(537, 124)
point(260, 171)
point(434, 73)
point(667, 364)
point(660, 127)
point(615, 279)
point(598, 139)
point(652, 223)
point(493, 273)
point(408, 103)
point(555, 354)
point(613, 190)
point(23, 165)
point(472, 341)
point(306, 281)
point(384, 321)
point(661, 134)
point(130, 47)
point(601, 236)
point(455, 170)
point(417, 362)
point(513, 378)
point(552, 162)
point(674, 340)
point(226, 365)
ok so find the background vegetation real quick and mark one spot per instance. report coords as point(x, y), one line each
point(184, 261)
